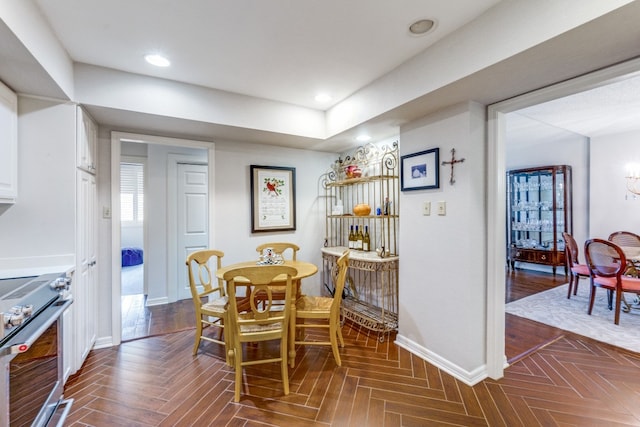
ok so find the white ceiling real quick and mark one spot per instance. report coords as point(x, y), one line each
point(283, 50)
point(287, 51)
point(610, 109)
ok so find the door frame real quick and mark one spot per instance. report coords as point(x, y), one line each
point(116, 269)
point(496, 203)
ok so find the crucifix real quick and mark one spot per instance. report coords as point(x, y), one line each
point(452, 163)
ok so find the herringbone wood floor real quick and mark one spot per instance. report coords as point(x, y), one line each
point(156, 381)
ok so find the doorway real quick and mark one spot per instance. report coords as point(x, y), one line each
point(132, 229)
point(160, 258)
point(496, 166)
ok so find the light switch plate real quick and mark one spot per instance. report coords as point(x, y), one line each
point(426, 208)
point(442, 208)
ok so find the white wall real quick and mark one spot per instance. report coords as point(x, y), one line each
point(530, 143)
point(442, 278)
point(233, 213)
point(612, 207)
point(232, 232)
point(40, 226)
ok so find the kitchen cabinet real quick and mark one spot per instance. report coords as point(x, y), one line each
point(85, 281)
point(539, 203)
point(8, 145)
point(367, 179)
point(86, 141)
point(85, 284)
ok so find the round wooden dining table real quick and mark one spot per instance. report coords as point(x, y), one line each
point(305, 269)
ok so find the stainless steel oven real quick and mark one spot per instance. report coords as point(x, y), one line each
point(31, 350)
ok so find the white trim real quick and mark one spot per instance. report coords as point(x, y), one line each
point(468, 377)
point(496, 171)
point(116, 268)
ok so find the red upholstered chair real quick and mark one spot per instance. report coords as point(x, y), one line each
point(607, 263)
point(577, 270)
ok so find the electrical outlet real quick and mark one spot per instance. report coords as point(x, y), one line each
point(426, 208)
point(442, 208)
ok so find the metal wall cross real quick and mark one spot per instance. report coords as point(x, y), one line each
point(452, 163)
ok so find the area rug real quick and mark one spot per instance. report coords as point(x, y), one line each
point(553, 308)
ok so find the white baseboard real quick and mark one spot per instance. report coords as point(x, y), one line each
point(104, 342)
point(157, 301)
point(467, 377)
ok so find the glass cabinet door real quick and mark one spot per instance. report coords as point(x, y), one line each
point(537, 201)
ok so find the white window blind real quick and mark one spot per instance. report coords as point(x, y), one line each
point(131, 192)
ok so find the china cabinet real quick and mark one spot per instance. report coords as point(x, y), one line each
point(539, 204)
point(361, 198)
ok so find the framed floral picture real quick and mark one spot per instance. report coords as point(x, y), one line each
point(273, 198)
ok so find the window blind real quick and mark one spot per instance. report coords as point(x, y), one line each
point(131, 192)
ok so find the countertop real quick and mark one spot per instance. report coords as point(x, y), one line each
point(35, 271)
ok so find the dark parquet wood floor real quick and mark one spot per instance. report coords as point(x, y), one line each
point(155, 381)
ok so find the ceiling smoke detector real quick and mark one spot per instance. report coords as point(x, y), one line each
point(421, 26)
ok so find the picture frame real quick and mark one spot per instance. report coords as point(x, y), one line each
point(420, 171)
point(273, 198)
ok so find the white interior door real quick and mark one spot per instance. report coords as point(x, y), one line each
point(193, 217)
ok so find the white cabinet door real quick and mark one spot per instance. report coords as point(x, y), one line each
point(8, 145)
point(84, 284)
point(86, 141)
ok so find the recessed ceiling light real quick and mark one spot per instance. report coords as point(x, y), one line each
point(421, 26)
point(157, 60)
point(323, 97)
point(363, 138)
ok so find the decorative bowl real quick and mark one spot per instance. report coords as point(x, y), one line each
point(353, 171)
point(362, 209)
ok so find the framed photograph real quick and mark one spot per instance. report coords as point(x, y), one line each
point(273, 198)
point(420, 171)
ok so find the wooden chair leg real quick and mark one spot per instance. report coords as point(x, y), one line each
point(284, 350)
point(237, 353)
point(592, 298)
point(198, 335)
point(333, 336)
point(618, 301)
point(570, 286)
point(290, 342)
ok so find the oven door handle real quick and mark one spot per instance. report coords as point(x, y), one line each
point(25, 338)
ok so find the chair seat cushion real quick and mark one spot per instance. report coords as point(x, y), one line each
point(580, 270)
point(218, 305)
point(311, 303)
point(629, 284)
point(265, 327)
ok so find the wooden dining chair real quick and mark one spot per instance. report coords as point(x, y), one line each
point(209, 296)
point(625, 238)
point(285, 249)
point(324, 309)
point(577, 270)
point(607, 263)
point(259, 322)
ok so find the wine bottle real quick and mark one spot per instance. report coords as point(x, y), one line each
point(359, 238)
point(352, 238)
point(366, 240)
